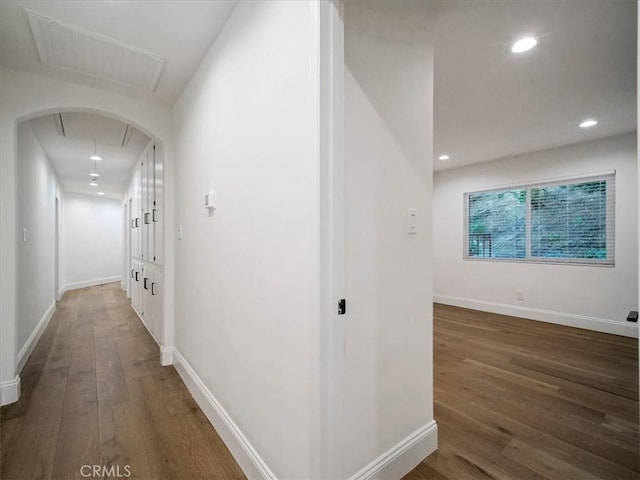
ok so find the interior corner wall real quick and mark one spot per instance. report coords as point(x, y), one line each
point(37, 187)
point(92, 240)
point(590, 297)
point(247, 282)
point(388, 360)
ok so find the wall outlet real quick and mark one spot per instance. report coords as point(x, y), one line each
point(520, 295)
point(412, 221)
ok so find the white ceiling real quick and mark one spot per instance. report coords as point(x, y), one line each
point(490, 103)
point(69, 154)
point(179, 31)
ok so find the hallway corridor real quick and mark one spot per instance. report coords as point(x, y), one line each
point(94, 393)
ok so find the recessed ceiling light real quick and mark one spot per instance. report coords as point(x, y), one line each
point(95, 157)
point(444, 157)
point(588, 123)
point(93, 184)
point(523, 44)
point(100, 193)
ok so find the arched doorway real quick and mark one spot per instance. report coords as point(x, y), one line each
point(24, 97)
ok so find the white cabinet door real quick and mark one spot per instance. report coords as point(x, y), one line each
point(149, 224)
point(158, 205)
point(134, 214)
point(136, 297)
point(137, 202)
point(155, 294)
point(145, 286)
point(144, 195)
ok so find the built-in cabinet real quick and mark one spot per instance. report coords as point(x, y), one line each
point(146, 209)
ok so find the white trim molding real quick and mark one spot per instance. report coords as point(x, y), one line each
point(10, 391)
point(167, 356)
point(250, 461)
point(32, 341)
point(403, 456)
point(89, 283)
point(626, 329)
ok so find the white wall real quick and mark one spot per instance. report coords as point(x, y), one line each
point(388, 392)
point(247, 276)
point(92, 240)
point(37, 188)
point(583, 296)
point(638, 177)
point(24, 96)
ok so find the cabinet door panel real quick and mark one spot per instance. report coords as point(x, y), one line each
point(157, 295)
point(158, 200)
point(144, 204)
point(151, 203)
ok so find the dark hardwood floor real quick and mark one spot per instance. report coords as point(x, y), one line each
point(523, 400)
point(94, 393)
point(514, 400)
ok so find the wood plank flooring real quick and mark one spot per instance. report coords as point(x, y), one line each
point(94, 393)
point(522, 400)
point(514, 400)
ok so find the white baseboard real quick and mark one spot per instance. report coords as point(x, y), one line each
point(10, 391)
point(402, 457)
point(626, 329)
point(146, 326)
point(245, 454)
point(167, 356)
point(89, 283)
point(32, 341)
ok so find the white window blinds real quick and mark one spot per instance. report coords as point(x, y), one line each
point(568, 221)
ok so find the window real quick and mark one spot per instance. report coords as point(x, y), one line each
point(569, 221)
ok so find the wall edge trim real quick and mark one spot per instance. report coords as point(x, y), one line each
point(603, 325)
point(401, 458)
point(32, 341)
point(10, 391)
point(167, 356)
point(89, 283)
point(250, 461)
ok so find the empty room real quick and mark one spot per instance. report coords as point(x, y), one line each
point(535, 241)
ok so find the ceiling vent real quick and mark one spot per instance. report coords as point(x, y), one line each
point(73, 48)
point(57, 117)
point(127, 135)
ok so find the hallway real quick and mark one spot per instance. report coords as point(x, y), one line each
point(94, 393)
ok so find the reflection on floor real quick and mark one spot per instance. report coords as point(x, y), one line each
point(94, 394)
point(517, 399)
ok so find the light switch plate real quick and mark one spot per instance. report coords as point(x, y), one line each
point(210, 199)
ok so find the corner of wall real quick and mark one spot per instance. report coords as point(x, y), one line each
point(10, 391)
point(402, 457)
point(250, 461)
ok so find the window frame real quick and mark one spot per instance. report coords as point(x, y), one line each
point(609, 177)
